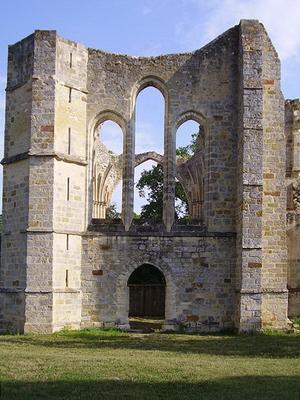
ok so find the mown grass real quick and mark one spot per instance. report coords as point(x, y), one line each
point(95, 364)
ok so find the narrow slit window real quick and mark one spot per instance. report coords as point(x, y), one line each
point(67, 241)
point(71, 60)
point(67, 278)
point(68, 189)
point(69, 141)
point(70, 95)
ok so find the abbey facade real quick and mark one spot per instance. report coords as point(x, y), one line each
point(234, 264)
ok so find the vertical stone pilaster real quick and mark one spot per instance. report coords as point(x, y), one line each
point(250, 158)
point(38, 306)
point(69, 182)
point(261, 231)
point(274, 246)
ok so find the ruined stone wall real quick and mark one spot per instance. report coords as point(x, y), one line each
point(201, 85)
point(228, 271)
point(199, 273)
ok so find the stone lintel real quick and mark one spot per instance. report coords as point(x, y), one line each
point(68, 85)
point(67, 290)
point(50, 230)
point(262, 291)
point(57, 155)
point(14, 291)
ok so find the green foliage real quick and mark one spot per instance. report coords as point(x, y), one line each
point(189, 150)
point(112, 213)
point(296, 321)
point(151, 182)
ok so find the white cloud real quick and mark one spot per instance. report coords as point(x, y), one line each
point(280, 18)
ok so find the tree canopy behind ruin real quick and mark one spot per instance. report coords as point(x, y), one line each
point(150, 184)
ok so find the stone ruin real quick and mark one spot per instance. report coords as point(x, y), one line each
point(234, 265)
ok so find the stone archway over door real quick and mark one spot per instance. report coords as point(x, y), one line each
point(147, 292)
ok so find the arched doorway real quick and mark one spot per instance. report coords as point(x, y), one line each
point(147, 292)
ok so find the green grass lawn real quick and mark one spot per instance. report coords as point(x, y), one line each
point(113, 365)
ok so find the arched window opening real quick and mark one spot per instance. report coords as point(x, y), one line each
point(149, 145)
point(107, 171)
point(147, 286)
point(189, 171)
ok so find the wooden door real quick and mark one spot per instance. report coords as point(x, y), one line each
point(147, 300)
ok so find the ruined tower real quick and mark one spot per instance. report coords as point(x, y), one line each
point(64, 265)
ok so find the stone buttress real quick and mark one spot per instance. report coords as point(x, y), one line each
point(44, 184)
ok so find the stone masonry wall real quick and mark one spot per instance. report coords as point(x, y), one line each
point(261, 227)
point(16, 186)
point(274, 246)
point(199, 273)
point(292, 131)
point(202, 85)
point(70, 181)
point(230, 272)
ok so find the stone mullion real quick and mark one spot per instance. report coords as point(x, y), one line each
point(169, 173)
point(128, 175)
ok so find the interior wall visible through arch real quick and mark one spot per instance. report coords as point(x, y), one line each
point(107, 170)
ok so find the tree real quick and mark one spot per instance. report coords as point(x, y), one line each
point(150, 184)
point(112, 213)
point(188, 151)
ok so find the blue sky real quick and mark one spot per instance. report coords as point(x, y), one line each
point(151, 27)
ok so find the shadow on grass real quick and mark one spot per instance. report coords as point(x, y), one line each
point(274, 346)
point(246, 388)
